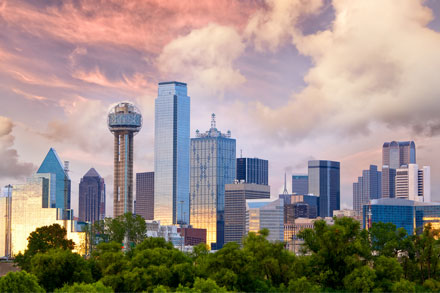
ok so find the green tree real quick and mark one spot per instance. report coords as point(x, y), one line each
point(336, 250)
point(208, 286)
point(42, 240)
point(57, 267)
point(97, 287)
point(19, 282)
point(427, 251)
point(386, 239)
point(388, 270)
point(403, 286)
point(360, 280)
point(302, 285)
point(432, 285)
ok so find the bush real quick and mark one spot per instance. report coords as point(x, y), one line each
point(302, 285)
point(19, 282)
point(97, 287)
point(403, 286)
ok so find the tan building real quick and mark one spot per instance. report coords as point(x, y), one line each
point(28, 214)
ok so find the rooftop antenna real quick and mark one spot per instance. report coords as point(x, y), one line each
point(213, 121)
point(241, 153)
point(285, 185)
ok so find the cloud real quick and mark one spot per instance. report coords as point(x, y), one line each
point(10, 166)
point(365, 70)
point(205, 57)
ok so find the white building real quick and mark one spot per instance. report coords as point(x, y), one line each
point(168, 232)
point(413, 183)
point(266, 213)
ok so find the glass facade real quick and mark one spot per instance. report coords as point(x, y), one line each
point(407, 214)
point(324, 181)
point(269, 214)
point(213, 164)
point(61, 183)
point(28, 214)
point(368, 186)
point(300, 184)
point(253, 170)
point(171, 154)
point(91, 204)
point(145, 195)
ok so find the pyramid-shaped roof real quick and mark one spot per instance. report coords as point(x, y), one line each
point(51, 163)
point(92, 173)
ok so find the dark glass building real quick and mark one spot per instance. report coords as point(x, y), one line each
point(407, 214)
point(235, 207)
point(91, 203)
point(253, 170)
point(367, 187)
point(145, 195)
point(324, 181)
point(300, 184)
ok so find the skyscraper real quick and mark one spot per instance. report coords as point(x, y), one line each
point(253, 170)
point(300, 184)
point(145, 195)
point(171, 154)
point(60, 186)
point(413, 183)
point(213, 164)
point(124, 121)
point(395, 155)
point(367, 187)
point(324, 181)
point(235, 207)
point(91, 205)
point(266, 213)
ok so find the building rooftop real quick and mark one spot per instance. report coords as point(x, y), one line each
point(401, 202)
point(172, 82)
point(92, 173)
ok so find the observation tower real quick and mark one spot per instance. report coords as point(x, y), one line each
point(124, 121)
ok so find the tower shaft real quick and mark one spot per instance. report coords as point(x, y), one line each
point(123, 173)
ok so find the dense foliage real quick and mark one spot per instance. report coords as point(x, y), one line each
point(339, 257)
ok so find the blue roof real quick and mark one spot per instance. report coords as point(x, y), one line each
point(172, 82)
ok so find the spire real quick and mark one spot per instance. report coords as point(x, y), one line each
point(213, 121)
point(285, 185)
point(92, 173)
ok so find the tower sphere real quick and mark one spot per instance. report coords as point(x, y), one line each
point(124, 116)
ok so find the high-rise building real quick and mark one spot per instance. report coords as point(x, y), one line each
point(324, 181)
point(300, 184)
point(235, 207)
point(171, 154)
point(124, 121)
point(266, 213)
point(145, 195)
point(388, 182)
point(413, 184)
point(91, 204)
point(253, 170)
point(396, 154)
point(368, 186)
point(60, 186)
point(408, 214)
point(213, 164)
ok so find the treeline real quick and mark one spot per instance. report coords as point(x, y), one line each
point(340, 257)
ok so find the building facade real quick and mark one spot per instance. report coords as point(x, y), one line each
point(266, 214)
point(213, 165)
point(367, 187)
point(60, 185)
point(324, 181)
point(124, 121)
point(171, 154)
point(408, 214)
point(253, 170)
point(91, 203)
point(413, 183)
point(145, 195)
point(235, 207)
point(300, 184)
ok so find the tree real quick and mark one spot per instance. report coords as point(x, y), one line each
point(403, 286)
point(427, 250)
point(57, 267)
point(388, 270)
point(42, 240)
point(386, 239)
point(360, 280)
point(97, 287)
point(336, 250)
point(302, 285)
point(19, 282)
point(208, 286)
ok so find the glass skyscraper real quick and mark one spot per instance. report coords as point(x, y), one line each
point(300, 184)
point(60, 186)
point(91, 204)
point(367, 187)
point(253, 170)
point(171, 154)
point(324, 181)
point(213, 164)
point(145, 195)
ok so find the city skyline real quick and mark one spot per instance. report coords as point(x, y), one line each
point(58, 63)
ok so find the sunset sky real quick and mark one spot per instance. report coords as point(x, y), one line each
point(293, 80)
